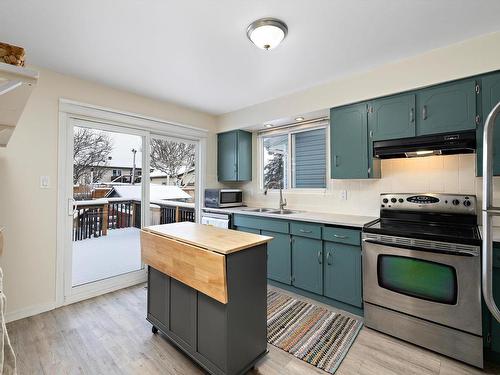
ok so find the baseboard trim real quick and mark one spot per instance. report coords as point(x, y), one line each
point(29, 311)
point(337, 304)
point(105, 286)
point(80, 293)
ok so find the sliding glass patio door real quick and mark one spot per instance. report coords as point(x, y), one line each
point(117, 178)
point(108, 206)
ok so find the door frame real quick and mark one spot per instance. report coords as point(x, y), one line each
point(110, 119)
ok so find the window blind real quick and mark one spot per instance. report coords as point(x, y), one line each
point(309, 153)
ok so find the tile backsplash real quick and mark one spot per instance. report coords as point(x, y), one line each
point(435, 174)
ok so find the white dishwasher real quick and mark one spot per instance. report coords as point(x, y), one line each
point(219, 220)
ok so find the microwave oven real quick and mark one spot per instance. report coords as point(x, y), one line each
point(220, 198)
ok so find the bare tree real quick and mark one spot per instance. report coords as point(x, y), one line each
point(91, 152)
point(171, 157)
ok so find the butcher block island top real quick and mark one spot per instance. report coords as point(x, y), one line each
point(222, 241)
point(195, 254)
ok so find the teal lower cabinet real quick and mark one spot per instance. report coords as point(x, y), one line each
point(491, 326)
point(342, 273)
point(307, 264)
point(318, 261)
point(495, 326)
point(279, 257)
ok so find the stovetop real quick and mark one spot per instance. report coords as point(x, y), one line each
point(456, 233)
point(435, 217)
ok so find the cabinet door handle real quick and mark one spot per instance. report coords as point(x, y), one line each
point(339, 236)
point(305, 231)
point(336, 160)
point(424, 112)
point(328, 257)
point(412, 115)
point(319, 257)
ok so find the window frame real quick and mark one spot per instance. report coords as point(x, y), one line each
point(290, 131)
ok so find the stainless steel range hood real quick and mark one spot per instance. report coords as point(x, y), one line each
point(426, 145)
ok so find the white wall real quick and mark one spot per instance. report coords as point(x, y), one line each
point(27, 212)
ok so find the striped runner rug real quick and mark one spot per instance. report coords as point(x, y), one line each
point(311, 333)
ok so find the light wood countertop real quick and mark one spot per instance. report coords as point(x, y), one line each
point(222, 241)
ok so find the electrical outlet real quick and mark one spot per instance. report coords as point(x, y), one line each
point(343, 195)
point(44, 182)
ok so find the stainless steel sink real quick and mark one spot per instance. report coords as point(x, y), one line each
point(258, 209)
point(283, 212)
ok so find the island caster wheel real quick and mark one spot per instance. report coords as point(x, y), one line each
point(154, 330)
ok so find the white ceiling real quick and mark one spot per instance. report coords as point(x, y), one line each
point(196, 53)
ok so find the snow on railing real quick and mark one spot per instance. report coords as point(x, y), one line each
point(93, 218)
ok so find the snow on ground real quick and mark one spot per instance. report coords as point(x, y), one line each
point(99, 258)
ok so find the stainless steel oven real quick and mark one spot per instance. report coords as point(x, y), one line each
point(220, 198)
point(422, 273)
point(436, 286)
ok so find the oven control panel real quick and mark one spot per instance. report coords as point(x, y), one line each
point(452, 203)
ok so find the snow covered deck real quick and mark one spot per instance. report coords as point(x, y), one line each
point(99, 258)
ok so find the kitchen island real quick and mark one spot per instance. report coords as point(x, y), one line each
point(207, 293)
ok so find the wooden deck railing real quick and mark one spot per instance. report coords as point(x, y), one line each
point(93, 218)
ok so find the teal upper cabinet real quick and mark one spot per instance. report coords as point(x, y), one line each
point(392, 118)
point(227, 156)
point(234, 156)
point(307, 264)
point(279, 257)
point(349, 143)
point(446, 108)
point(490, 89)
point(342, 280)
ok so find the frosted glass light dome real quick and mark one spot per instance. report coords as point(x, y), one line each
point(267, 33)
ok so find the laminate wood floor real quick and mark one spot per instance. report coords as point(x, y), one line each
point(110, 335)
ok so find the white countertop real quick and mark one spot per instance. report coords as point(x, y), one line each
point(316, 217)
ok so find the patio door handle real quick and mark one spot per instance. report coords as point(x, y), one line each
point(71, 207)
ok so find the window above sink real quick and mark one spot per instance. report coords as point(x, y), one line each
point(295, 156)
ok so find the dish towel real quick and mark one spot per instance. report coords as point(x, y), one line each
point(7, 356)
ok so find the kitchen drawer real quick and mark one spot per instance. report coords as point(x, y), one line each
point(248, 230)
point(249, 221)
point(342, 235)
point(305, 229)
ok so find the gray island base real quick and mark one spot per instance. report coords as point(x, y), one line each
point(223, 338)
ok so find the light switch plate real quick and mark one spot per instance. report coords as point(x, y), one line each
point(343, 195)
point(44, 182)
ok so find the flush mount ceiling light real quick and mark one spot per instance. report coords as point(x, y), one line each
point(268, 125)
point(267, 33)
point(300, 118)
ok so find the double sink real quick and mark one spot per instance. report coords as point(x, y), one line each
point(271, 211)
